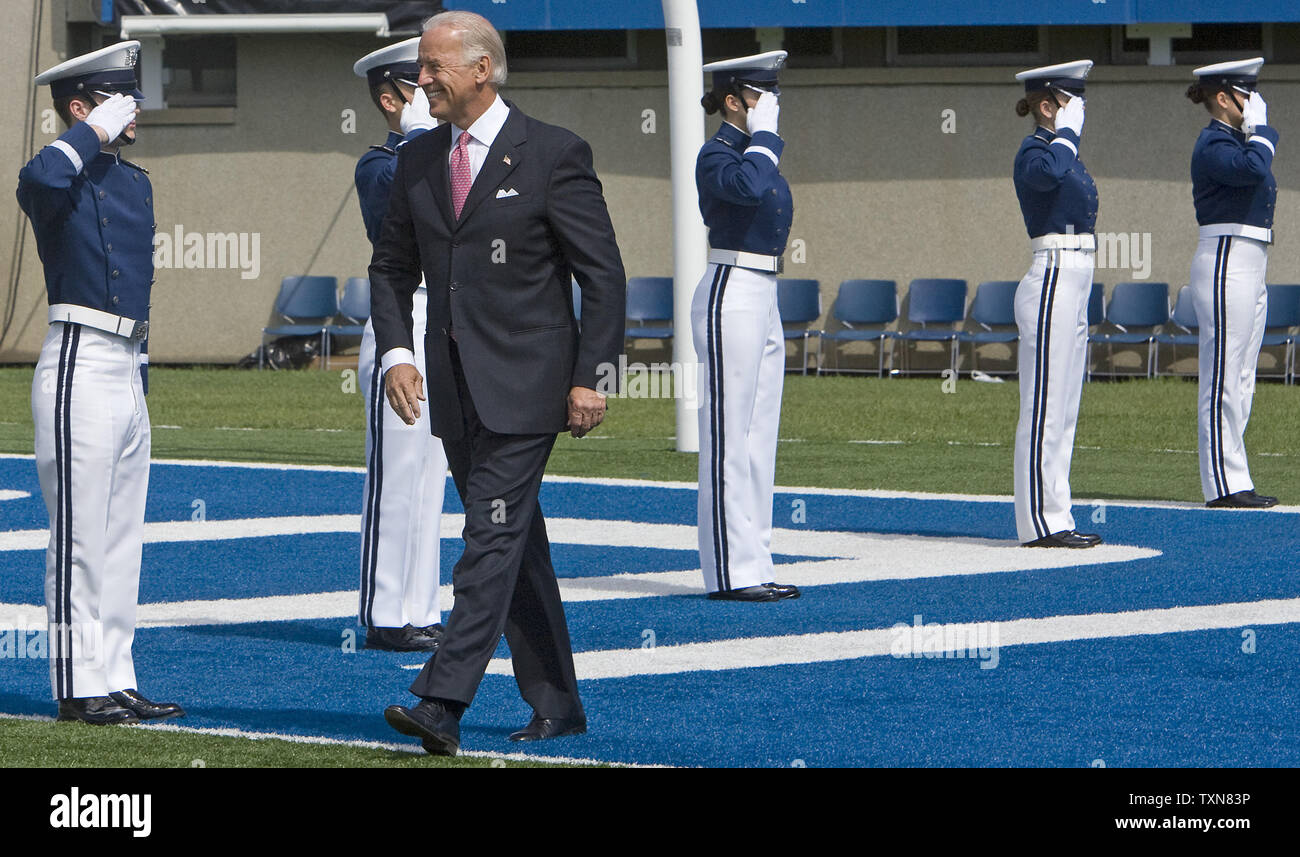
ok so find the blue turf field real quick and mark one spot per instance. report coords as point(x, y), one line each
point(1182, 697)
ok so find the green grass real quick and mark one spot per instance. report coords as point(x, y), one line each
point(46, 744)
point(1135, 439)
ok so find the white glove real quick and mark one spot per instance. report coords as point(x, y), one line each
point(415, 113)
point(1253, 113)
point(1071, 116)
point(113, 115)
point(763, 115)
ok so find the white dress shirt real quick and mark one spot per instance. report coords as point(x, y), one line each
point(483, 134)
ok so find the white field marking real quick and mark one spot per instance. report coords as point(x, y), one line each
point(225, 732)
point(6, 494)
point(842, 558)
point(849, 645)
point(880, 442)
point(870, 493)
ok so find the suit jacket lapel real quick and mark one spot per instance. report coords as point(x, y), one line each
point(438, 178)
point(501, 161)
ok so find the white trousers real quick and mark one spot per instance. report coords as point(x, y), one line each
point(406, 473)
point(92, 458)
point(738, 336)
point(1052, 315)
point(1231, 302)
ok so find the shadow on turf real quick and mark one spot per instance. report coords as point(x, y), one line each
point(307, 631)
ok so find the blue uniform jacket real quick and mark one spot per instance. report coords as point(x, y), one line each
point(94, 227)
point(1232, 178)
point(374, 178)
point(1055, 191)
point(745, 201)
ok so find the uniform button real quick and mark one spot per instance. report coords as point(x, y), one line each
point(115, 274)
point(114, 298)
point(135, 177)
point(148, 200)
point(104, 221)
point(108, 248)
point(151, 282)
point(102, 194)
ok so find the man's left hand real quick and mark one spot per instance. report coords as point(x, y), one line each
point(586, 410)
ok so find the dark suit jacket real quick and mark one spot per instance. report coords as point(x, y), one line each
point(500, 275)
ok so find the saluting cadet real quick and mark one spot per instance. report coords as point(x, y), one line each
point(92, 214)
point(1059, 202)
point(406, 468)
point(747, 207)
point(1234, 191)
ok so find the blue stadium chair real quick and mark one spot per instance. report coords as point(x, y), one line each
point(994, 306)
point(354, 307)
point(1184, 332)
point(872, 303)
point(1280, 326)
point(799, 302)
point(649, 299)
point(1096, 317)
point(934, 301)
point(308, 304)
point(1133, 306)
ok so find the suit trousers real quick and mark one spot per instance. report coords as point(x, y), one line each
point(406, 475)
point(92, 459)
point(1231, 302)
point(504, 581)
point(1052, 315)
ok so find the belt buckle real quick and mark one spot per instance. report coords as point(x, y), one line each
point(780, 265)
point(141, 331)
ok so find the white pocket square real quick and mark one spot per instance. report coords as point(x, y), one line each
point(505, 194)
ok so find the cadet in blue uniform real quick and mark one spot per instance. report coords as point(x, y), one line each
point(406, 468)
point(1059, 202)
point(747, 207)
point(92, 214)
point(1234, 191)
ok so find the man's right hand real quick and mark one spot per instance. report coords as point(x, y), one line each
point(111, 118)
point(404, 387)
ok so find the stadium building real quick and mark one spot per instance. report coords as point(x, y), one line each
point(898, 115)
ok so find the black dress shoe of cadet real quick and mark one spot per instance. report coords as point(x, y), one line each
point(407, 638)
point(95, 710)
point(1066, 539)
point(438, 728)
point(1242, 500)
point(761, 592)
point(541, 728)
point(131, 700)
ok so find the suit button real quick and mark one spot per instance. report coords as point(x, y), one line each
point(455, 244)
point(444, 331)
point(455, 286)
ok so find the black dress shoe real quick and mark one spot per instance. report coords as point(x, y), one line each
point(761, 592)
point(143, 708)
point(438, 728)
point(1242, 500)
point(1066, 539)
point(541, 728)
point(433, 631)
point(407, 638)
point(95, 710)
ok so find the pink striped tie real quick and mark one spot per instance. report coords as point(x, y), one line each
point(460, 174)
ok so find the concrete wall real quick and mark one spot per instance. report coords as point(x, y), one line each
point(880, 190)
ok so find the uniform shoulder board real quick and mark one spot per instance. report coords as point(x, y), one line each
point(134, 166)
point(389, 149)
point(724, 141)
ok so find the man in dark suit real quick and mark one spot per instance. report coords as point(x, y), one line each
point(496, 210)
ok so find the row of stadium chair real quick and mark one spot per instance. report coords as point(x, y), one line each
point(1137, 314)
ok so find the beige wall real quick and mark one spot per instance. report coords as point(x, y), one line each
point(879, 190)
